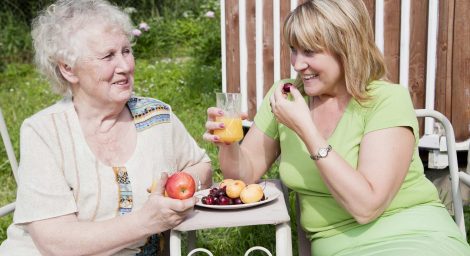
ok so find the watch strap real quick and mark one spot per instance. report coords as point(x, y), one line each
point(319, 155)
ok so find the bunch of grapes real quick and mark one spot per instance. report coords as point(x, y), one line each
point(218, 196)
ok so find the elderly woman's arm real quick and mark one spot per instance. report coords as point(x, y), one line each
point(190, 157)
point(66, 235)
point(201, 171)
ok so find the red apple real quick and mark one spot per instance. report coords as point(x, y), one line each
point(180, 185)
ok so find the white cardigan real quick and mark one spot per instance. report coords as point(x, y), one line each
point(59, 174)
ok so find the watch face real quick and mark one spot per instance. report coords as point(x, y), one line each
point(323, 152)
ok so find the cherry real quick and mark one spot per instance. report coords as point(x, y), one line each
point(223, 200)
point(208, 200)
point(286, 88)
point(213, 191)
point(221, 192)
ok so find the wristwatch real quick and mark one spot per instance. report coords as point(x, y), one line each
point(322, 153)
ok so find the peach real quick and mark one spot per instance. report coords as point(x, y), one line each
point(225, 182)
point(234, 188)
point(251, 194)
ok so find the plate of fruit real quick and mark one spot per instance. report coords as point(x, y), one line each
point(235, 194)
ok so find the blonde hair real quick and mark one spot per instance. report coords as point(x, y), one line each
point(343, 29)
point(56, 36)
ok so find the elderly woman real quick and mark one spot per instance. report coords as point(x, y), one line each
point(87, 161)
point(347, 143)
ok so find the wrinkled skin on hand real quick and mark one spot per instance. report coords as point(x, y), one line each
point(161, 213)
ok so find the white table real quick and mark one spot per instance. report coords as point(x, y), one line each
point(271, 213)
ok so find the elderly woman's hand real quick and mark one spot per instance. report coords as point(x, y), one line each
point(161, 213)
point(212, 124)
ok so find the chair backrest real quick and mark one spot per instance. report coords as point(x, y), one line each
point(4, 210)
point(455, 176)
point(8, 145)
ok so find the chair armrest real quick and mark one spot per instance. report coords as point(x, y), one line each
point(6, 209)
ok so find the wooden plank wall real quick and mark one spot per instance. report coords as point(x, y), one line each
point(452, 80)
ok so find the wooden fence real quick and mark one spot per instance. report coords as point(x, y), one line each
point(425, 43)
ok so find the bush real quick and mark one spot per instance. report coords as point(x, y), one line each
point(15, 40)
point(177, 28)
point(206, 47)
point(166, 38)
point(198, 38)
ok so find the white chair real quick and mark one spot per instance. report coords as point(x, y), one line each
point(6, 209)
point(456, 178)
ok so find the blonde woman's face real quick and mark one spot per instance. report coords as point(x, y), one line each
point(321, 72)
point(106, 69)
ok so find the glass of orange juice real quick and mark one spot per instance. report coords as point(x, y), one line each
point(231, 104)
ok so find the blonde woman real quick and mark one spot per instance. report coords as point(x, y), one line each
point(347, 141)
point(88, 160)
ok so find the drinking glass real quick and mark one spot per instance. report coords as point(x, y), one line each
point(231, 104)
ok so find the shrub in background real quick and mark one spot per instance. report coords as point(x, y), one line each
point(15, 40)
point(196, 37)
point(175, 25)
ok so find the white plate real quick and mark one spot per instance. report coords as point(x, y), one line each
point(269, 195)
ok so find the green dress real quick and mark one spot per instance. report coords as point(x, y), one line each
point(416, 212)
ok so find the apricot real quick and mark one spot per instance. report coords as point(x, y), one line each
point(225, 182)
point(251, 194)
point(234, 189)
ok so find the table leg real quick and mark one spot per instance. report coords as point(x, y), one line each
point(191, 240)
point(283, 239)
point(175, 243)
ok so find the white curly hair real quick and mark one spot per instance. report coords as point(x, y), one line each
point(56, 37)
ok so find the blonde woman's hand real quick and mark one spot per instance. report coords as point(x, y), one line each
point(293, 113)
point(211, 125)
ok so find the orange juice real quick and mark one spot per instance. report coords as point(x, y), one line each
point(233, 129)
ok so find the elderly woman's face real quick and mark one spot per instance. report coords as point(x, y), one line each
point(105, 71)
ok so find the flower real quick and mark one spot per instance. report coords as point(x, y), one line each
point(144, 26)
point(130, 10)
point(136, 32)
point(210, 14)
point(187, 14)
